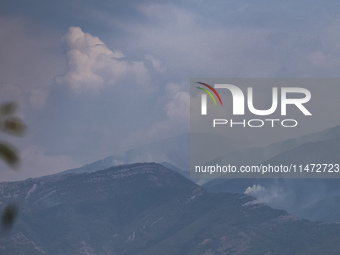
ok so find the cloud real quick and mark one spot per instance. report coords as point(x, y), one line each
point(178, 106)
point(176, 110)
point(92, 66)
point(156, 63)
point(205, 41)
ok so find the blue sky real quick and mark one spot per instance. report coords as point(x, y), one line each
point(95, 78)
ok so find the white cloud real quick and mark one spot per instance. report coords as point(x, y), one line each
point(178, 106)
point(156, 63)
point(176, 112)
point(91, 65)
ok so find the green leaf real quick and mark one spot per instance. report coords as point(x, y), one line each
point(8, 108)
point(13, 126)
point(9, 154)
point(9, 215)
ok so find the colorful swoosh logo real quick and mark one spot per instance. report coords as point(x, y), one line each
point(209, 93)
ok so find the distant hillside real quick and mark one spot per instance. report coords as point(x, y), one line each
point(174, 151)
point(293, 195)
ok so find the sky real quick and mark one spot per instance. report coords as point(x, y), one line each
point(96, 78)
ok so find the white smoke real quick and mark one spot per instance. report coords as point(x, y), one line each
point(273, 196)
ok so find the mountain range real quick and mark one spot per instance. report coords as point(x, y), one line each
point(300, 197)
point(146, 208)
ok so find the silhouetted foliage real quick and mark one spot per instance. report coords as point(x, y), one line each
point(8, 216)
point(9, 154)
point(14, 126)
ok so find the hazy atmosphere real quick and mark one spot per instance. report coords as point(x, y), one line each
point(97, 78)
